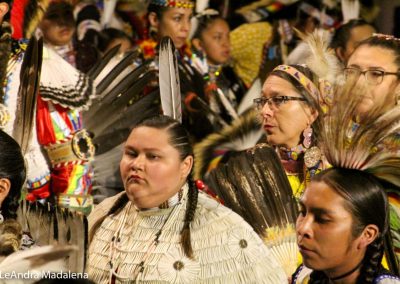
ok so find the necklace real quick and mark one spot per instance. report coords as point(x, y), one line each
point(292, 153)
point(213, 73)
point(116, 239)
point(347, 273)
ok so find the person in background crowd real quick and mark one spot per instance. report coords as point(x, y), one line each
point(348, 36)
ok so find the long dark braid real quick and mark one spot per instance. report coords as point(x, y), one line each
point(372, 261)
point(369, 270)
point(189, 216)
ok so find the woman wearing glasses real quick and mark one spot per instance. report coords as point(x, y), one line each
point(378, 60)
point(291, 108)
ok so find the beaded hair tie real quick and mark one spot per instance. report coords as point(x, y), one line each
point(173, 4)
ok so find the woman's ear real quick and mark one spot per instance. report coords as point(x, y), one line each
point(3, 10)
point(186, 166)
point(368, 235)
point(314, 115)
point(197, 44)
point(5, 186)
point(339, 51)
point(153, 20)
point(397, 93)
point(311, 114)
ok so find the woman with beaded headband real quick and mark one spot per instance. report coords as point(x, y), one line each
point(376, 63)
point(294, 99)
point(211, 56)
point(343, 229)
point(292, 105)
point(291, 109)
point(161, 229)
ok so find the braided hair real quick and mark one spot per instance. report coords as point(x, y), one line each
point(361, 192)
point(12, 167)
point(179, 139)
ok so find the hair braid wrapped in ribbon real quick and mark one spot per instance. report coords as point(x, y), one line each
point(322, 93)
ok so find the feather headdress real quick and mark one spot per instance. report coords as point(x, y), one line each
point(369, 145)
point(321, 60)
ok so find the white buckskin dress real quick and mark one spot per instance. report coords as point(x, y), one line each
point(225, 247)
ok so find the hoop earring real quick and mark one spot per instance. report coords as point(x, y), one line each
point(1, 218)
point(307, 134)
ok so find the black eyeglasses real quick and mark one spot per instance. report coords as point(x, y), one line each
point(373, 76)
point(274, 102)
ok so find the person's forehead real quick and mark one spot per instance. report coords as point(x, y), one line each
point(367, 56)
point(277, 84)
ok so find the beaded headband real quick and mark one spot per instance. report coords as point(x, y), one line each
point(322, 95)
point(173, 4)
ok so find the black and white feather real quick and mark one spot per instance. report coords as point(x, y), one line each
point(170, 93)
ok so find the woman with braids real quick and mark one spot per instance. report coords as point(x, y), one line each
point(12, 178)
point(343, 222)
point(162, 230)
point(344, 229)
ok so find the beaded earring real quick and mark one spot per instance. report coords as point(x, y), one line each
point(312, 155)
point(307, 134)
